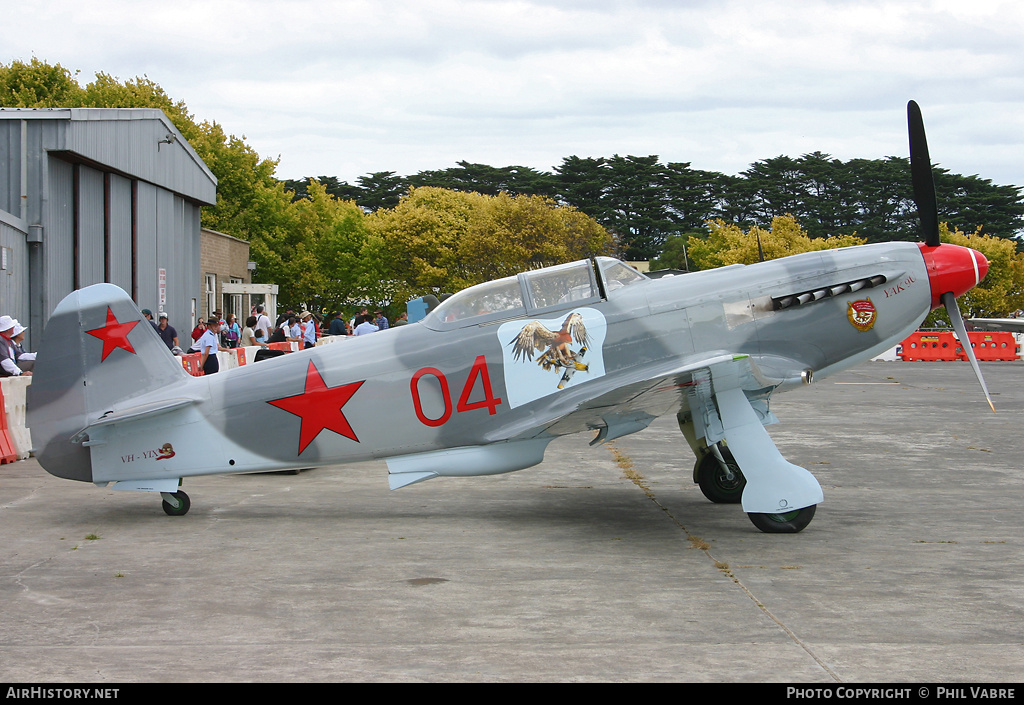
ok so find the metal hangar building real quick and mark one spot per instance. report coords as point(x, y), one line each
point(91, 195)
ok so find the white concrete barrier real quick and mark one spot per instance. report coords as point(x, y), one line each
point(226, 360)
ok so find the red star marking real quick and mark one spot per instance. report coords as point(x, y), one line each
point(113, 335)
point(319, 407)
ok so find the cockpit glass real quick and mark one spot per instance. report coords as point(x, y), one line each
point(552, 286)
point(561, 285)
point(618, 274)
point(503, 295)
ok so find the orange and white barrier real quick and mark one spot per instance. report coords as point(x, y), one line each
point(943, 345)
point(992, 345)
point(15, 438)
point(191, 364)
point(236, 357)
point(930, 346)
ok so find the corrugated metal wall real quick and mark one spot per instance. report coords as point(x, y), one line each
point(120, 231)
point(13, 226)
point(14, 274)
point(166, 224)
point(103, 204)
point(90, 202)
point(59, 239)
point(10, 162)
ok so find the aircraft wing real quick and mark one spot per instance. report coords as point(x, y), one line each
point(629, 405)
point(634, 402)
point(1010, 325)
point(727, 398)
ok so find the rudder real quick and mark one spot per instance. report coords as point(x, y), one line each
point(98, 354)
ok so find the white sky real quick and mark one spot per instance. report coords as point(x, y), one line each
point(348, 87)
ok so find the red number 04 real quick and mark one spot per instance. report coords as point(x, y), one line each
point(479, 369)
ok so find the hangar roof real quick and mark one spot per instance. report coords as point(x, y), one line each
point(141, 143)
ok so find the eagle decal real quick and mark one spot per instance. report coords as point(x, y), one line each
point(558, 354)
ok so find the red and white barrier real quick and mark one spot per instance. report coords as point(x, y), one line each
point(15, 438)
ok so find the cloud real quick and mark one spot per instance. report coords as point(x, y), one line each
point(349, 87)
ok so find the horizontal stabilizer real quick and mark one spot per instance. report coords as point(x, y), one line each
point(135, 413)
point(169, 484)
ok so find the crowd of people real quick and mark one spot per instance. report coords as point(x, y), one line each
point(14, 361)
point(218, 333)
point(222, 334)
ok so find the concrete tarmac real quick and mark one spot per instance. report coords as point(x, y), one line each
point(601, 564)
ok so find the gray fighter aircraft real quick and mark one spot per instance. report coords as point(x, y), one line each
point(485, 382)
point(1008, 325)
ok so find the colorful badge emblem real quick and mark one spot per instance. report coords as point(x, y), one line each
point(862, 314)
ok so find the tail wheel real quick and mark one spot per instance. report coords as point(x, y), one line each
point(176, 504)
point(719, 486)
point(784, 523)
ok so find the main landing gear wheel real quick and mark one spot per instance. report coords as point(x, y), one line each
point(719, 486)
point(784, 523)
point(178, 505)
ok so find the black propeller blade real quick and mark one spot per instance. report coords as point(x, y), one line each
point(928, 211)
point(921, 176)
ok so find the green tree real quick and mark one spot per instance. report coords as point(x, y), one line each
point(674, 254)
point(1001, 292)
point(419, 239)
point(583, 183)
point(727, 243)
point(381, 189)
point(247, 191)
point(628, 196)
point(512, 234)
point(250, 202)
point(487, 180)
point(326, 267)
point(780, 188)
point(969, 202)
point(877, 199)
point(39, 85)
point(874, 197)
point(692, 197)
point(644, 203)
point(140, 92)
point(300, 187)
point(439, 240)
point(637, 199)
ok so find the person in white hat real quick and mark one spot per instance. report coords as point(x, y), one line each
point(9, 349)
point(24, 359)
point(308, 329)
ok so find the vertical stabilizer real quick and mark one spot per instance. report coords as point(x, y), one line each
point(98, 354)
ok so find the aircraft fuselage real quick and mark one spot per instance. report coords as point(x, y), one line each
point(438, 384)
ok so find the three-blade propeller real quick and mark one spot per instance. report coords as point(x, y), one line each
point(928, 212)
